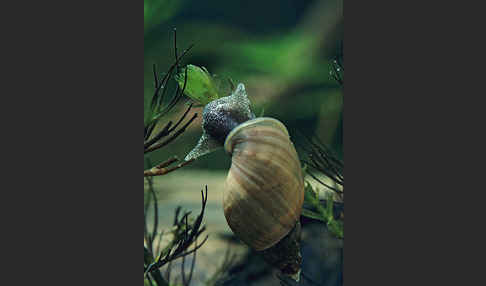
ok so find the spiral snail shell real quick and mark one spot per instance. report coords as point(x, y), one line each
point(264, 189)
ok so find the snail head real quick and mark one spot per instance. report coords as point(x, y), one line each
point(220, 116)
point(223, 115)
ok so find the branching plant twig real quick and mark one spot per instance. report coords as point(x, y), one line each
point(185, 234)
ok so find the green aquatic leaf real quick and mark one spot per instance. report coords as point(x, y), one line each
point(322, 213)
point(200, 86)
point(224, 85)
point(312, 214)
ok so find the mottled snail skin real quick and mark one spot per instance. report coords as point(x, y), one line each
point(285, 255)
point(264, 189)
point(223, 115)
point(220, 116)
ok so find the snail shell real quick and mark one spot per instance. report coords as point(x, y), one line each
point(264, 189)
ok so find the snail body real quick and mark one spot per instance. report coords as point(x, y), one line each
point(264, 189)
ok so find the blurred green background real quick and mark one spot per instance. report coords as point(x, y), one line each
point(281, 50)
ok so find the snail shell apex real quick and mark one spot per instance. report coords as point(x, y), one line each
point(264, 189)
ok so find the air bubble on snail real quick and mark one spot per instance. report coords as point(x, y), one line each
point(264, 188)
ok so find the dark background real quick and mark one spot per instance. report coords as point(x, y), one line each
point(280, 50)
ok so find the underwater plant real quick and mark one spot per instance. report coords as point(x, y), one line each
point(185, 231)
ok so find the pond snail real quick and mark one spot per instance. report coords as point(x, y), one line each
point(264, 188)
